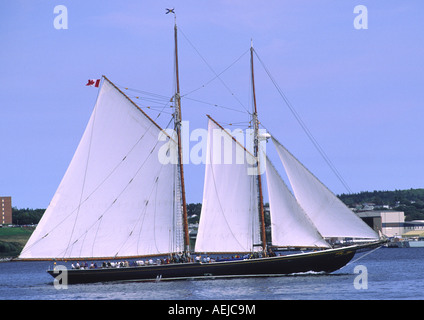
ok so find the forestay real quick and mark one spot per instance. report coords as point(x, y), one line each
point(116, 199)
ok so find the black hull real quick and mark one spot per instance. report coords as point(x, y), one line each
point(320, 261)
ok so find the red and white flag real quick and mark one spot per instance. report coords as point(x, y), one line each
point(93, 83)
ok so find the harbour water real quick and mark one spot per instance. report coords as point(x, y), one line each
point(387, 273)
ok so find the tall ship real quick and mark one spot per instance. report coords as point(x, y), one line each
point(123, 198)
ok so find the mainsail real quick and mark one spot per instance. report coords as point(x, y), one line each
point(116, 198)
point(229, 221)
point(327, 212)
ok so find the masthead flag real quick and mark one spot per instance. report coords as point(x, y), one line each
point(93, 83)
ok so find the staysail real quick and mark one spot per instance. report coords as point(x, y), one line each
point(116, 198)
point(290, 226)
point(327, 212)
point(229, 220)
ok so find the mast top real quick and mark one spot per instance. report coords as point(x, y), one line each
point(172, 10)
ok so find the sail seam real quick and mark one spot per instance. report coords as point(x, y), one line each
point(110, 206)
point(84, 179)
point(222, 211)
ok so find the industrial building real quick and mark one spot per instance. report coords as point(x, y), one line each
point(389, 223)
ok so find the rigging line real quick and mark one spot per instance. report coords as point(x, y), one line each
point(243, 124)
point(157, 110)
point(95, 235)
point(254, 210)
point(150, 99)
point(148, 102)
point(213, 71)
point(217, 75)
point(215, 105)
point(146, 97)
point(174, 207)
point(156, 187)
point(363, 256)
point(304, 127)
point(143, 215)
point(85, 176)
point(158, 96)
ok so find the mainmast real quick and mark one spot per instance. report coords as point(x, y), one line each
point(177, 99)
point(256, 154)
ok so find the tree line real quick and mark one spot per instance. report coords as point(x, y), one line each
point(410, 201)
point(26, 216)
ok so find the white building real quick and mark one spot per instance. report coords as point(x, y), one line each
point(389, 223)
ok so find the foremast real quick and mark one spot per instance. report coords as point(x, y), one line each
point(177, 124)
point(255, 122)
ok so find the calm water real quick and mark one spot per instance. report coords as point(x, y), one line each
point(392, 274)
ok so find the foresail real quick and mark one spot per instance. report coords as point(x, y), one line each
point(229, 221)
point(328, 213)
point(116, 198)
point(290, 226)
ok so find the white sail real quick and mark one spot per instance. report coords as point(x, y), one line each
point(290, 226)
point(328, 213)
point(229, 221)
point(116, 199)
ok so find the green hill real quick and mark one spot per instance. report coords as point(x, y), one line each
point(410, 201)
point(12, 240)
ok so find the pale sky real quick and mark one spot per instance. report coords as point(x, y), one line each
point(359, 91)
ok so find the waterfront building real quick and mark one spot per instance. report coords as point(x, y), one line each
point(388, 222)
point(5, 210)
